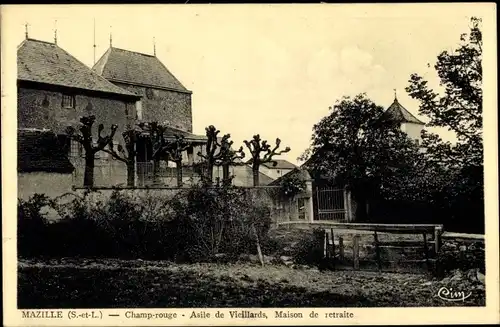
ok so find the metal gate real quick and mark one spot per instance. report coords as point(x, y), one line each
point(330, 204)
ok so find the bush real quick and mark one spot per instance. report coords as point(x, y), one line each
point(31, 225)
point(218, 220)
point(309, 250)
point(194, 225)
point(458, 255)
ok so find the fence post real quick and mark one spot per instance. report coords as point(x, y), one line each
point(377, 251)
point(437, 238)
point(355, 247)
point(333, 244)
point(325, 244)
point(426, 249)
point(341, 248)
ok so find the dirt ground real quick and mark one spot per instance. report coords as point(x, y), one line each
point(91, 283)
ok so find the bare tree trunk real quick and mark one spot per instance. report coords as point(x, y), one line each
point(179, 173)
point(209, 175)
point(256, 181)
point(131, 173)
point(257, 242)
point(156, 166)
point(226, 179)
point(88, 178)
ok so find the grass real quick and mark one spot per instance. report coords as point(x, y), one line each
point(80, 283)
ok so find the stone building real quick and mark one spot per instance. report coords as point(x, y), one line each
point(54, 89)
point(164, 98)
point(125, 88)
point(281, 168)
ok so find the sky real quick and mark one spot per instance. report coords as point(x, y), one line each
point(271, 70)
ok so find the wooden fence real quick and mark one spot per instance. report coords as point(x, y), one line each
point(336, 235)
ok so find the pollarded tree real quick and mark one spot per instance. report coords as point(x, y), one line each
point(354, 147)
point(228, 157)
point(164, 149)
point(257, 147)
point(128, 154)
point(160, 146)
point(90, 148)
point(174, 152)
point(211, 155)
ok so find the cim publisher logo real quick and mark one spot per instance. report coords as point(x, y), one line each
point(448, 294)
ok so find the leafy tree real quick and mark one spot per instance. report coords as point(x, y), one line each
point(90, 148)
point(355, 147)
point(257, 147)
point(457, 107)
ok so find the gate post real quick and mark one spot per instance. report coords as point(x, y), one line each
point(310, 209)
point(348, 205)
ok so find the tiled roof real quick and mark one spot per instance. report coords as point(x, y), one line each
point(280, 164)
point(243, 176)
point(398, 113)
point(301, 173)
point(44, 62)
point(136, 68)
point(264, 179)
point(42, 151)
point(171, 132)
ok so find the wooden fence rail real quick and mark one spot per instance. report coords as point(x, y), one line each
point(332, 228)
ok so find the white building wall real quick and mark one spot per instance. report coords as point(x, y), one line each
point(274, 173)
point(413, 130)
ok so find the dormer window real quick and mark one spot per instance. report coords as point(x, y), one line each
point(68, 101)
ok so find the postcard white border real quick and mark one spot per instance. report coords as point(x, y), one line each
point(378, 316)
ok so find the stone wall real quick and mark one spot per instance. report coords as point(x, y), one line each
point(280, 210)
point(51, 184)
point(42, 108)
point(164, 106)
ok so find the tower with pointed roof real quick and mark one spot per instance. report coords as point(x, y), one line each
point(164, 98)
point(410, 124)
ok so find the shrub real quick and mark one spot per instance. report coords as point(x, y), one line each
point(457, 255)
point(309, 250)
point(194, 225)
point(215, 220)
point(31, 224)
